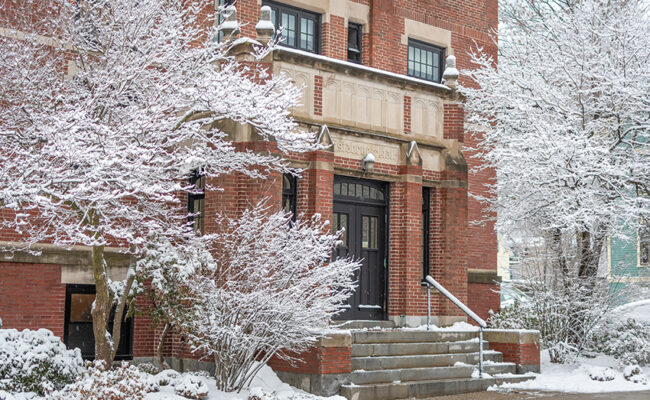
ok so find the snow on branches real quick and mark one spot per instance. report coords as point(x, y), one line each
point(106, 108)
point(268, 290)
point(565, 119)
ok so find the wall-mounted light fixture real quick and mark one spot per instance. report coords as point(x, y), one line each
point(368, 162)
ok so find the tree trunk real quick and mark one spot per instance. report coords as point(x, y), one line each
point(101, 308)
point(120, 308)
point(159, 349)
point(590, 247)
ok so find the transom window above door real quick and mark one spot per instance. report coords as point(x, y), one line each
point(301, 28)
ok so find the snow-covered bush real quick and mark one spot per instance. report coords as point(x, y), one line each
point(191, 387)
point(268, 289)
point(628, 340)
point(634, 374)
point(167, 377)
point(602, 374)
point(35, 361)
point(125, 382)
point(567, 310)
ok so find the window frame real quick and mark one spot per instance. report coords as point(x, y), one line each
point(291, 194)
point(127, 324)
point(426, 232)
point(359, 37)
point(299, 13)
point(220, 17)
point(192, 196)
point(643, 240)
point(424, 46)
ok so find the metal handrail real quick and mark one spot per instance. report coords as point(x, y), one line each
point(481, 323)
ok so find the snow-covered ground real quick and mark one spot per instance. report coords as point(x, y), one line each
point(639, 310)
point(265, 386)
point(576, 378)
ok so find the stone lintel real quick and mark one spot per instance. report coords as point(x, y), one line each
point(73, 256)
point(482, 276)
point(517, 336)
point(342, 339)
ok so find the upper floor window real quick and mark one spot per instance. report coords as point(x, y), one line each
point(425, 61)
point(644, 243)
point(289, 194)
point(196, 201)
point(221, 5)
point(300, 28)
point(354, 42)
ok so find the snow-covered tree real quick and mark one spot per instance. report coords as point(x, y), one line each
point(565, 120)
point(106, 108)
point(269, 288)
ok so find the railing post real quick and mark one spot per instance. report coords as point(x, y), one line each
point(480, 352)
point(479, 321)
point(428, 305)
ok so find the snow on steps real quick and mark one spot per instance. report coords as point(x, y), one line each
point(393, 364)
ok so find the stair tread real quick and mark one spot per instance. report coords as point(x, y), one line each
point(416, 382)
point(485, 352)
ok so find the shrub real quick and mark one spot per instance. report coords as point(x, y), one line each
point(191, 387)
point(36, 361)
point(627, 340)
point(125, 382)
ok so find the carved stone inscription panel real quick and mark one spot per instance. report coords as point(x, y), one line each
point(356, 148)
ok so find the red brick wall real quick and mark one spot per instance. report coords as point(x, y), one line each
point(317, 360)
point(518, 353)
point(32, 297)
point(483, 299)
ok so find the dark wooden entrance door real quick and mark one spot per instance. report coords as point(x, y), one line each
point(360, 208)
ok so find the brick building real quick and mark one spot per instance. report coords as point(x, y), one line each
point(394, 171)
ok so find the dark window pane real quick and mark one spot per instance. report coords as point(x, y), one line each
point(354, 42)
point(80, 307)
point(365, 227)
point(289, 194)
point(424, 61)
point(341, 222)
point(300, 27)
point(373, 232)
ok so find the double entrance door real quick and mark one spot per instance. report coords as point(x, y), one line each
point(360, 209)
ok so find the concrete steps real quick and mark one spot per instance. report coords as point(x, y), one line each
point(419, 389)
point(397, 364)
point(421, 361)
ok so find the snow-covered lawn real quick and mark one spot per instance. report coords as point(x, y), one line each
point(265, 386)
point(576, 378)
point(639, 310)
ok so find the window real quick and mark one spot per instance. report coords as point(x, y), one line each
point(340, 221)
point(78, 328)
point(426, 218)
point(222, 4)
point(301, 28)
point(644, 243)
point(196, 201)
point(354, 42)
point(425, 61)
point(289, 194)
